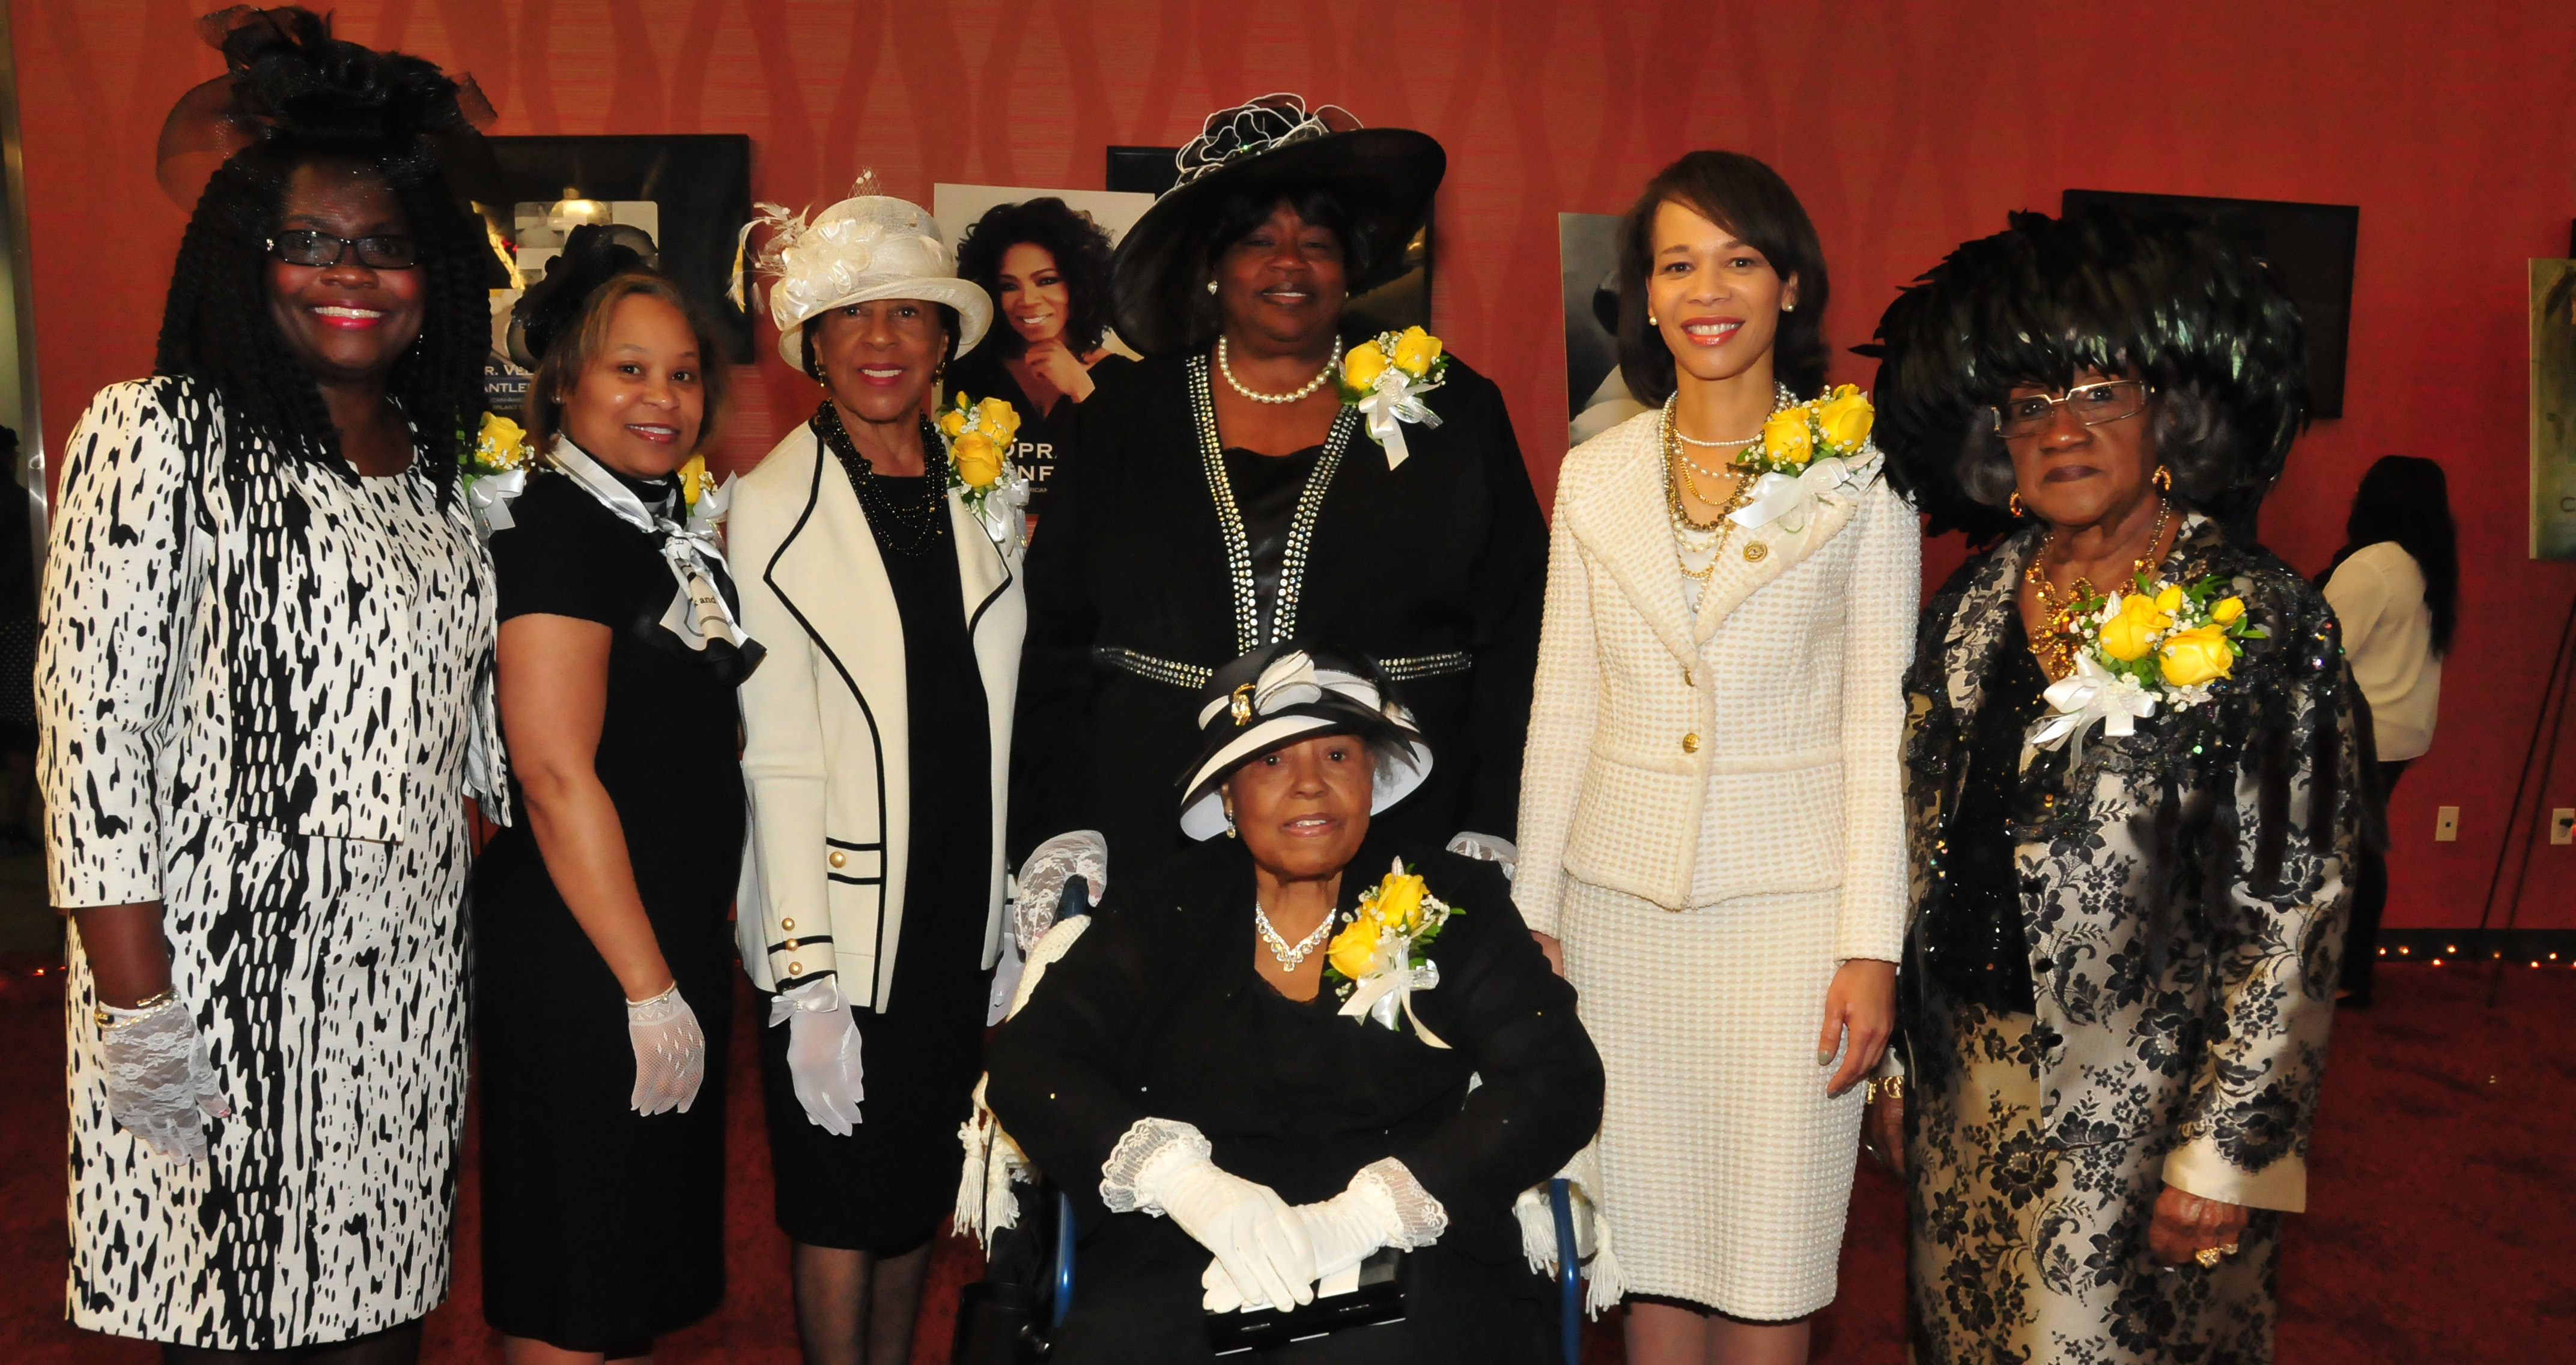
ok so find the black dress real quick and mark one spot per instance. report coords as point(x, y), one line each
point(1435, 569)
point(1157, 1012)
point(1047, 442)
point(885, 1188)
point(603, 1228)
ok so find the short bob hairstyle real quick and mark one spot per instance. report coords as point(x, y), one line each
point(569, 356)
point(1081, 252)
point(1750, 200)
point(2154, 297)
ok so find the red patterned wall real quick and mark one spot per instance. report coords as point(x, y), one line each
point(1905, 126)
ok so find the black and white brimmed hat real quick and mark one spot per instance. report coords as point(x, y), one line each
point(1386, 178)
point(1283, 693)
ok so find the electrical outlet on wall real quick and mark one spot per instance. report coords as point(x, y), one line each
point(2562, 825)
point(2446, 825)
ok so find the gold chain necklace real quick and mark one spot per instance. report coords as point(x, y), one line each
point(1676, 477)
point(2060, 640)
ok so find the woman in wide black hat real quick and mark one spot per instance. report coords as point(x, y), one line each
point(1251, 1068)
point(1229, 498)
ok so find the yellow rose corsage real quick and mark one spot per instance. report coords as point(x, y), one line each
point(1385, 378)
point(979, 436)
point(1382, 956)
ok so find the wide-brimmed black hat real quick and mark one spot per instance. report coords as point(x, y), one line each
point(1385, 177)
point(1285, 693)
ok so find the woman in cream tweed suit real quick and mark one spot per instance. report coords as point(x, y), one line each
point(1712, 818)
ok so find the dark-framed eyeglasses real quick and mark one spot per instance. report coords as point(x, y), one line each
point(304, 246)
point(2092, 404)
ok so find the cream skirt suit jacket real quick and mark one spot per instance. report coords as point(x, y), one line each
point(827, 747)
point(1712, 821)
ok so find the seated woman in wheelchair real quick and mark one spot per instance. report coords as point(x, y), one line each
point(1300, 1047)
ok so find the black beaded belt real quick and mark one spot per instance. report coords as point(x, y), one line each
point(1194, 677)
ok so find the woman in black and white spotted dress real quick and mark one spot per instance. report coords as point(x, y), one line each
point(267, 628)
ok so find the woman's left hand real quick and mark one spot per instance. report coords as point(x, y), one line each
point(1860, 1004)
point(2186, 1224)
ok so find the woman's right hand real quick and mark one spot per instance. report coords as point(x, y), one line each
point(1056, 363)
point(1548, 944)
point(160, 1087)
point(1259, 1241)
point(1882, 1131)
point(670, 1052)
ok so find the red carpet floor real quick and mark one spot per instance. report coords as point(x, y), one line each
point(2439, 1228)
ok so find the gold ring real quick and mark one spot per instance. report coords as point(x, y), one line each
point(2209, 1257)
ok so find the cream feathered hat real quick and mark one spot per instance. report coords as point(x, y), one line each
point(866, 247)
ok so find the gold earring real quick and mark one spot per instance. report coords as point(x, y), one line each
point(2013, 505)
point(2164, 477)
point(1211, 286)
point(1229, 824)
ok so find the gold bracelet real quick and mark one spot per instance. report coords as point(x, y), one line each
point(108, 1021)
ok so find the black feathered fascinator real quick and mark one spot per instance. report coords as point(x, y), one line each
point(592, 256)
point(2104, 289)
point(287, 79)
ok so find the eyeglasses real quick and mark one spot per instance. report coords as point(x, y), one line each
point(2092, 404)
point(322, 250)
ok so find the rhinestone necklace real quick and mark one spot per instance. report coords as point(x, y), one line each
point(1290, 957)
point(1238, 543)
point(1330, 366)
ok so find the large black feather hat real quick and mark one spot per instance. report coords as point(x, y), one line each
point(1386, 178)
point(2103, 289)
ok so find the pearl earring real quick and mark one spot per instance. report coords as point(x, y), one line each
point(1650, 321)
point(1788, 308)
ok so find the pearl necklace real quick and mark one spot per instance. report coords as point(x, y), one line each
point(1227, 369)
point(1290, 958)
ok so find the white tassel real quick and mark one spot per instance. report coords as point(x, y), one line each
point(1592, 1251)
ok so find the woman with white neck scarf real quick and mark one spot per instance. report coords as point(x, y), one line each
point(604, 971)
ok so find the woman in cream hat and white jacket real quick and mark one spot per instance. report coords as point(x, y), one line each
point(876, 748)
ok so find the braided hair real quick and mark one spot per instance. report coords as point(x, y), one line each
point(318, 99)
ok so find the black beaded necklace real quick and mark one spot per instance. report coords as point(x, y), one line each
point(909, 530)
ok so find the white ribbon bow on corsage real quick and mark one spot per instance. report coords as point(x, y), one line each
point(1395, 398)
point(1388, 986)
point(488, 497)
point(2088, 694)
point(1778, 497)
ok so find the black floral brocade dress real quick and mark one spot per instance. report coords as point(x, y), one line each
point(2177, 901)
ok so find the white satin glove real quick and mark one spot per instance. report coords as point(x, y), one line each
point(670, 1052)
point(160, 1087)
point(1487, 848)
point(1083, 853)
point(822, 1054)
point(1382, 1207)
point(1258, 1241)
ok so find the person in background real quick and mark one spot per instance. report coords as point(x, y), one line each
point(2132, 828)
point(881, 562)
point(1697, 678)
point(2395, 586)
point(1047, 269)
point(603, 955)
point(264, 670)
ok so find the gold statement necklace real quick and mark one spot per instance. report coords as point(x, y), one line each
point(2061, 640)
point(1689, 533)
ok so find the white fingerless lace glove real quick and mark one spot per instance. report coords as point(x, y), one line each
point(160, 1087)
point(1489, 848)
point(1384, 1206)
point(822, 1054)
point(670, 1052)
point(1083, 853)
point(1162, 1167)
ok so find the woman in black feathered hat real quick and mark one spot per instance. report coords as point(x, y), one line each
point(265, 684)
point(1251, 1070)
point(2134, 785)
point(1229, 496)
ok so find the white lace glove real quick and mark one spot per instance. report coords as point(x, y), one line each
point(822, 1054)
point(1161, 1166)
point(1488, 848)
point(1082, 853)
point(1383, 1207)
point(670, 1052)
point(160, 1087)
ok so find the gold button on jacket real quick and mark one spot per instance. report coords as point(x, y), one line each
point(1690, 744)
point(839, 859)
